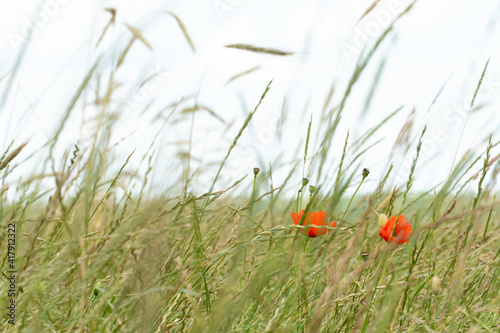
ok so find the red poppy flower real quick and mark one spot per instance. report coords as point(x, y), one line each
point(315, 221)
point(402, 232)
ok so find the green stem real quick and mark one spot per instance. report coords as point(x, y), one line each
point(341, 219)
point(250, 218)
point(350, 201)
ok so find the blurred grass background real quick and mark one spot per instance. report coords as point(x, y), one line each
point(100, 250)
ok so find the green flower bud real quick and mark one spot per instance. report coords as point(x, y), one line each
point(305, 181)
point(366, 172)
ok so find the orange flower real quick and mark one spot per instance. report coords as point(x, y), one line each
point(314, 220)
point(402, 232)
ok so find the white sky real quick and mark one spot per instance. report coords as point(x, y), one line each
point(436, 40)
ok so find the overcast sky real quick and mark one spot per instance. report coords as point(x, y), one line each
point(437, 41)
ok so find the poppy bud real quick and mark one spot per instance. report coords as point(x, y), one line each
point(366, 172)
point(435, 284)
point(305, 181)
point(312, 189)
point(40, 288)
point(382, 219)
point(256, 171)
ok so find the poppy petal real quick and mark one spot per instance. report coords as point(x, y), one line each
point(318, 218)
point(314, 223)
point(402, 230)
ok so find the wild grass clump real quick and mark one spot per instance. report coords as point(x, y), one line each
point(98, 251)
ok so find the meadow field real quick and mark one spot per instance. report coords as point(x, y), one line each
point(91, 244)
